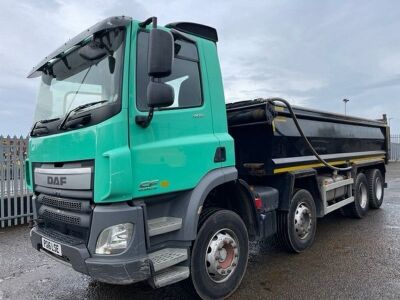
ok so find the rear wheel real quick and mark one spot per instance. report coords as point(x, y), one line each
point(375, 188)
point(359, 207)
point(219, 255)
point(297, 227)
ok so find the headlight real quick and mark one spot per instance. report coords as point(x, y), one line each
point(114, 239)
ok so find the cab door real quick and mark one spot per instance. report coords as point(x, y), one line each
point(178, 147)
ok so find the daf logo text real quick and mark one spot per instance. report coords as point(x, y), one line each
point(55, 180)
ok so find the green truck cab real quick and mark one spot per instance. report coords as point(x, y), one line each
point(133, 168)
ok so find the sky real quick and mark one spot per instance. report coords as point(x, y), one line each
point(314, 53)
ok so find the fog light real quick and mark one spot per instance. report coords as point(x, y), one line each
point(114, 239)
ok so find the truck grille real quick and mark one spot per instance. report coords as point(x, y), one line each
point(63, 218)
point(66, 210)
point(68, 204)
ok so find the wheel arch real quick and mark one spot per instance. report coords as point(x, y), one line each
point(304, 179)
point(238, 197)
point(364, 167)
point(221, 188)
point(307, 180)
point(198, 195)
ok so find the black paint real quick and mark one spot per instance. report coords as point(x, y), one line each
point(258, 140)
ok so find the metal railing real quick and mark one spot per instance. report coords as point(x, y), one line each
point(15, 199)
point(395, 147)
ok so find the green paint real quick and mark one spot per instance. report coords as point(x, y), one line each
point(172, 154)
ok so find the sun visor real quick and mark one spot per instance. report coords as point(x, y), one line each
point(109, 23)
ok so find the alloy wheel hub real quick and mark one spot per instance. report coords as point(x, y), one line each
point(378, 188)
point(362, 190)
point(222, 255)
point(302, 220)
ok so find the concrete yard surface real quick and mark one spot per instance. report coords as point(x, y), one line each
point(350, 259)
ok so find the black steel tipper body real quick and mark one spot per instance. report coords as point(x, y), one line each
point(267, 141)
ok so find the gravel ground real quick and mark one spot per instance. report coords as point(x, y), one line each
point(350, 259)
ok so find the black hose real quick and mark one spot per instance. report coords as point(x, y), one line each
point(296, 122)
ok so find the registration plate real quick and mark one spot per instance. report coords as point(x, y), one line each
point(51, 246)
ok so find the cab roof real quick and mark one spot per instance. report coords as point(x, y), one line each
point(109, 23)
point(199, 30)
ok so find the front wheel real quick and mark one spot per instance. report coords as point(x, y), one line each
point(219, 255)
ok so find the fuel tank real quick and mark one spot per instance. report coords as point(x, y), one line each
point(267, 141)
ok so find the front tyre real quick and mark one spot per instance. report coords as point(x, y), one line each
point(219, 255)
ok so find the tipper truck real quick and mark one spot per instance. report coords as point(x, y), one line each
point(141, 172)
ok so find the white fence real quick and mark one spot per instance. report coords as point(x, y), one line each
point(15, 199)
point(395, 147)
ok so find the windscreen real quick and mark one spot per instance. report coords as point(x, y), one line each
point(87, 73)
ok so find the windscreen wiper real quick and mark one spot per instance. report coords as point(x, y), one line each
point(76, 109)
point(34, 127)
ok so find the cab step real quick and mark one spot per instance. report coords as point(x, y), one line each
point(163, 225)
point(170, 276)
point(167, 257)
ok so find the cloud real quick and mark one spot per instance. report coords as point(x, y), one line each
point(315, 53)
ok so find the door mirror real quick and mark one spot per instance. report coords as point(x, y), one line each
point(159, 94)
point(160, 58)
point(161, 53)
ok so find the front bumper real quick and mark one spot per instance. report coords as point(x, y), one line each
point(128, 267)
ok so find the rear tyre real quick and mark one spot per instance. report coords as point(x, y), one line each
point(375, 188)
point(297, 227)
point(219, 254)
point(359, 207)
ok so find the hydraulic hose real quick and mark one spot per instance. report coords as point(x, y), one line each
point(296, 122)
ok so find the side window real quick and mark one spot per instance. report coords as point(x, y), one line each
point(184, 79)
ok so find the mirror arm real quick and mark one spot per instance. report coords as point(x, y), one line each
point(144, 121)
point(148, 22)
